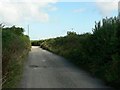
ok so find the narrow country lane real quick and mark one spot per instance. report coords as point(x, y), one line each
point(47, 70)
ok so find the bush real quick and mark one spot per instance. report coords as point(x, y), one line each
point(15, 47)
point(36, 42)
point(98, 53)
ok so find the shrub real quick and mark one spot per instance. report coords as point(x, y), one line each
point(15, 46)
point(98, 53)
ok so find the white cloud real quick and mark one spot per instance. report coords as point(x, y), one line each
point(33, 1)
point(107, 7)
point(51, 8)
point(16, 11)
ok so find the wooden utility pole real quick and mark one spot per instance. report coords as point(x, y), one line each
point(72, 29)
point(28, 30)
point(119, 9)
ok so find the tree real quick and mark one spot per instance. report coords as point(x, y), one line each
point(69, 33)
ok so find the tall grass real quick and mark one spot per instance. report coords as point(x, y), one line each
point(15, 47)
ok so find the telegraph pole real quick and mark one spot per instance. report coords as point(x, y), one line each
point(72, 29)
point(28, 30)
point(119, 10)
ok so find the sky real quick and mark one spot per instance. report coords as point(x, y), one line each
point(53, 18)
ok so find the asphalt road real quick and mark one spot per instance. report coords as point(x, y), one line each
point(47, 70)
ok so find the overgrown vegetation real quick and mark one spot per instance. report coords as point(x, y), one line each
point(15, 47)
point(36, 42)
point(98, 52)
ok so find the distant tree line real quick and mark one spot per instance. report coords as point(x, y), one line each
point(36, 42)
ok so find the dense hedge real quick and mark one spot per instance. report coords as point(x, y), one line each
point(15, 47)
point(98, 52)
point(36, 42)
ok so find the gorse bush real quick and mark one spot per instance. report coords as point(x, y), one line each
point(15, 46)
point(99, 52)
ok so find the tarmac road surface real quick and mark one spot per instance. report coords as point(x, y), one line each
point(44, 69)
